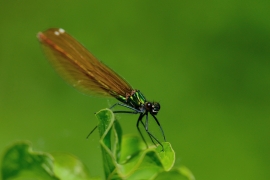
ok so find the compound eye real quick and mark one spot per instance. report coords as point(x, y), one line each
point(148, 107)
point(155, 108)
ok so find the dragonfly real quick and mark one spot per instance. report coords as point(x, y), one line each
point(82, 70)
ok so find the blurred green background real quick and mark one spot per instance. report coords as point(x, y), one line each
point(206, 62)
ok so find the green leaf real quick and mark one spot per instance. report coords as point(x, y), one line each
point(129, 158)
point(181, 173)
point(167, 156)
point(69, 167)
point(107, 133)
point(20, 162)
point(124, 157)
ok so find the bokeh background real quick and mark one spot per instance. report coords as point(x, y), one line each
point(206, 62)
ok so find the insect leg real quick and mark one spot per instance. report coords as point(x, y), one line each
point(150, 134)
point(138, 121)
point(129, 112)
point(146, 128)
point(160, 127)
point(91, 132)
point(127, 106)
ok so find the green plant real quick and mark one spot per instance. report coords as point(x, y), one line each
point(123, 158)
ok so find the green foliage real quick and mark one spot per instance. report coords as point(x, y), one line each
point(21, 162)
point(123, 158)
point(128, 158)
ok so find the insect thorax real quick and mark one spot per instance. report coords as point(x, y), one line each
point(135, 99)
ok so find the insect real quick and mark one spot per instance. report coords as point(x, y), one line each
point(83, 71)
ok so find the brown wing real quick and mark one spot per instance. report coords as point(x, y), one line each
point(79, 67)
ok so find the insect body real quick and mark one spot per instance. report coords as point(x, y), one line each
point(83, 71)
